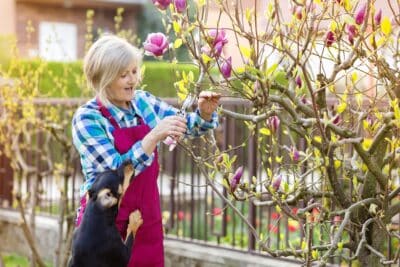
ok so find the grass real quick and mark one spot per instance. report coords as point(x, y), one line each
point(14, 260)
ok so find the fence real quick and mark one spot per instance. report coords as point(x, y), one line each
point(191, 210)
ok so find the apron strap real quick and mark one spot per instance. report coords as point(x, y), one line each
point(106, 114)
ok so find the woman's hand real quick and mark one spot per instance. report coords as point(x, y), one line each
point(173, 126)
point(208, 103)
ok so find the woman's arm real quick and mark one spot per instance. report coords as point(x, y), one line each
point(97, 148)
point(198, 122)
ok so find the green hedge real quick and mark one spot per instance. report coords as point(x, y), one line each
point(65, 79)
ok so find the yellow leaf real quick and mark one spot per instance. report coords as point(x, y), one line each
point(240, 70)
point(347, 5)
point(246, 52)
point(278, 209)
point(315, 254)
point(341, 107)
point(201, 3)
point(265, 131)
point(354, 77)
point(177, 27)
point(303, 245)
point(278, 159)
point(178, 42)
point(181, 96)
point(386, 25)
point(333, 26)
point(205, 58)
point(269, 172)
point(248, 14)
point(340, 246)
point(318, 139)
point(337, 163)
point(366, 144)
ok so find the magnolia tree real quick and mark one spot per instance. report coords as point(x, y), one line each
point(324, 73)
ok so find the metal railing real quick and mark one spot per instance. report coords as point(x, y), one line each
point(191, 210)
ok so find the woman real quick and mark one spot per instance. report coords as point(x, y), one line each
point(122, 123)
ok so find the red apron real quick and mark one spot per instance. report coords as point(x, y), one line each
point(142, 194)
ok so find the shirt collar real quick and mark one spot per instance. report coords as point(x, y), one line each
point(120, 113)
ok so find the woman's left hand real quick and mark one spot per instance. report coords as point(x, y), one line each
point(208, 103)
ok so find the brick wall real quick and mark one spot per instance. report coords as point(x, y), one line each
point(36, 13)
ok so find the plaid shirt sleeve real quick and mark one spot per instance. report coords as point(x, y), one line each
point(94, 141)
point(153, 110)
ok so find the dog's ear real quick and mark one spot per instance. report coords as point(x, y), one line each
point(92, 194)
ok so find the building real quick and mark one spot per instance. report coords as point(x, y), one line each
point(60, 25)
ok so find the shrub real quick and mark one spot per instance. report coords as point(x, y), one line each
point(65, 79)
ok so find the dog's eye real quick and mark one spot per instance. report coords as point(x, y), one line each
point(109, 194)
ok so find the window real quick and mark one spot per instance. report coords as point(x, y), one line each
point(58, 41)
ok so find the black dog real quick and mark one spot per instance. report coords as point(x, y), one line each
point(97, 242)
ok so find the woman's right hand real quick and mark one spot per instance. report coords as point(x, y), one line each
point(174, 126)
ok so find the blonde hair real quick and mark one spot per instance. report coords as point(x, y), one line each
point(106, 59)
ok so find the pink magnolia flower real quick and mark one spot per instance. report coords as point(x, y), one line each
point(336, 120)
point(236, 179)
point(294, 153)
point(298, 12)
point(162, 4)
point(360, 14)
point(330, 38)
point(277, 183)
point(180, 5)
point(273, 123)
point(378, 17)
point(226, 68)
point(217, 35)
point(299, 82)
point(352, 32)
point(156, 44)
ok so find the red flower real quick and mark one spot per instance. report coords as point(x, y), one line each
point(275, 216)
point(273, 228)
point(181, 215)
point(293, 225)
point(217, 211)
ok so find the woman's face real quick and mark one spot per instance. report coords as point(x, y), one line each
point(121, 90)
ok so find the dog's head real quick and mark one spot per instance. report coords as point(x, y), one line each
point(110, 185)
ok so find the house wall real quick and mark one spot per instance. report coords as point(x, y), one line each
point(7, 21)
point(37, 12)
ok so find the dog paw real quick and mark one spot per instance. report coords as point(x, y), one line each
point(135, 221)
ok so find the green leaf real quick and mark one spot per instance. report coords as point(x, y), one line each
point(281, 79)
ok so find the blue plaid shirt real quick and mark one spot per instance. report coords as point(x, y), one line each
point(91, 133)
